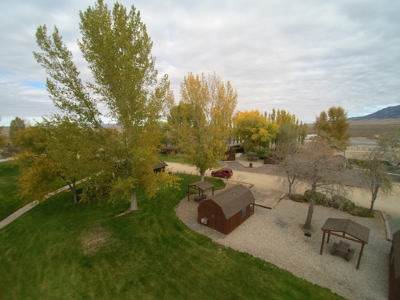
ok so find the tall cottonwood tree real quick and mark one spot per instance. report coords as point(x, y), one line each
point(289, 126)
point(202, 121)
point(117, 48)
point(16, 126)
point(254, 129)
point(332, 126)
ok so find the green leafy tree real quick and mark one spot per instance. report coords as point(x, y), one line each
point(117, 48)
point(332, 126)
point(165, 129)
point(289, 126)
point(2, 137)
point(16, 126)
point(53, 150)
point(254, 129)
point(202, 121)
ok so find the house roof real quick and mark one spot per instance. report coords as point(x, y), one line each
point(234, 199)
point(396, 253)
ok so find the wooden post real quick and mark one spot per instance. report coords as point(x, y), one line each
point(322, 243)
point(359, 256)
point(329, 235)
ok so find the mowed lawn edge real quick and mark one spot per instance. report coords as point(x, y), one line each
point(59, 250)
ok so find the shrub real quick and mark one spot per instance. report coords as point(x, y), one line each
point(261, 154)
point(297, 197)
point(319, 197)
point(343, 203)
point(361, 212)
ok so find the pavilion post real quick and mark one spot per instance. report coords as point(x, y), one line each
point(322, 243)
point(359, 256)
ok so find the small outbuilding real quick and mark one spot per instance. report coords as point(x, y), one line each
point(227, 210)
point(271, 159)
point(230, 155)
point(170, 151)
point(394, 267)
point(160, 167)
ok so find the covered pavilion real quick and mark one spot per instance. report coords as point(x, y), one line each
point(200, 186)
point(341, 227)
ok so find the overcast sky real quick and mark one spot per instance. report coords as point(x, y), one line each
point(300, 56)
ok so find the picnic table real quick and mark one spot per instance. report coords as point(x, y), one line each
point(342, 249)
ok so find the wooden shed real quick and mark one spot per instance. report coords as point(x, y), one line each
point(170, 151)
point(394, 267)
point(227, 210)
point(160, 167)
point(230, 155)
point(271, 159)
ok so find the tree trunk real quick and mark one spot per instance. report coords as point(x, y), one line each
point(72, 187)
point(311, 207)
point(134, 205)
point(202, 176)
point(374, 196)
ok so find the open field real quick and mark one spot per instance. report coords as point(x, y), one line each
point(59, 250)
point(370, 128)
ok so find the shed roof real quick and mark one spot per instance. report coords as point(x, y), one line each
point(160, 165)
point(234, 199)
point(396, 253)
point(349, 227)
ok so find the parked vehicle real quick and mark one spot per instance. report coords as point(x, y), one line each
point(224, 172)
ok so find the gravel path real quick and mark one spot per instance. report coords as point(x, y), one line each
point(274, 235)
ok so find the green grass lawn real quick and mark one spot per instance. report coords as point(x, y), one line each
point(9, 203)
point(176, 159)
point(59, 250)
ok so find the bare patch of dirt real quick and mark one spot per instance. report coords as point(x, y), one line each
point(94, 239)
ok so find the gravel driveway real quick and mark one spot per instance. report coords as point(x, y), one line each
point(274, 235)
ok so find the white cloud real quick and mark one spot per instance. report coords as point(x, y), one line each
point(301, 56)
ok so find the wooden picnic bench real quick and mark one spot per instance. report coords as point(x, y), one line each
point(342, 249)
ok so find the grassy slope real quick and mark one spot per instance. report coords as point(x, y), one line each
point(9, 203)
point(150, 254)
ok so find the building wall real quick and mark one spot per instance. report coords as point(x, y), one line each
point(216, 218)
point(394, 283)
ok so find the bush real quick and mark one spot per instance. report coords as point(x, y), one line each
point(319, 197)
point(361, 212)
point(297, 197)
point(261, 154)
point(343, 203)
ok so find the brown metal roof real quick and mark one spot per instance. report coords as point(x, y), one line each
point(234, 199)
point(160, 165)
point(205, 185)
point(349, 227)
point(396, 253)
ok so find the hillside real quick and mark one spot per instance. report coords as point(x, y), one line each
point(391, 112)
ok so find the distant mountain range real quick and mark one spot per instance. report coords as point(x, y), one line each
point(391, 112)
